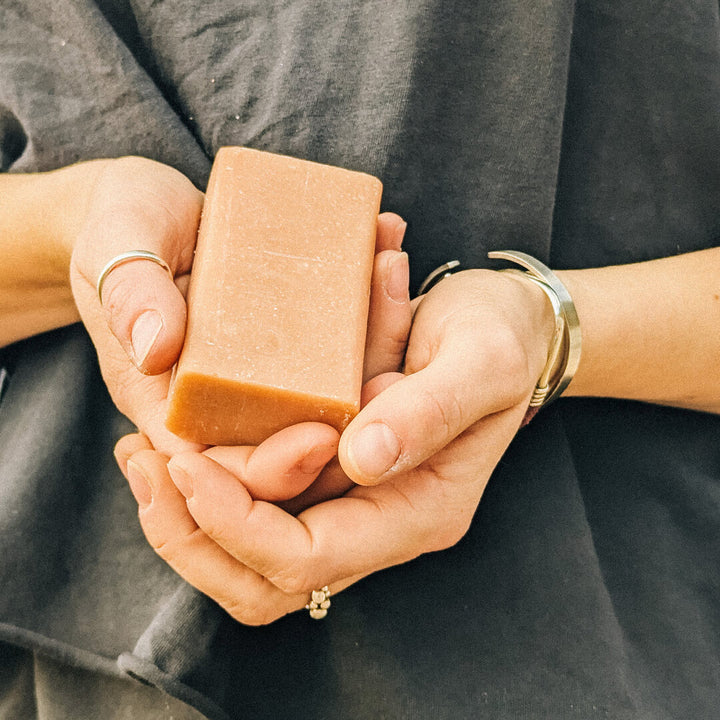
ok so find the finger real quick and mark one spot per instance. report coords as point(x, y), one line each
point(366, 530)
point(478, 345)
point(415, 417)
point(333, 482)
point(390, 314)
point(175, 536)
point(146, 311)
point(390, 232)
point(127, 446)
point(140, 205)
point(172, 532)
point(282, 466)
point(142, 398)
point(377, 384)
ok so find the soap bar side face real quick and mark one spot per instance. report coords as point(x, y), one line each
point(257, 411)
point(278, 299)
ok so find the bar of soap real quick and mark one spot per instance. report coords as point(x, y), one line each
point(278, 299)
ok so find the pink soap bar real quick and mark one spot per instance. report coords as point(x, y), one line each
point(278, 299)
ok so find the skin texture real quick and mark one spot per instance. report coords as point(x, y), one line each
point(200, 513)
point(40, 215)
point(661, 344)
point(258, 528)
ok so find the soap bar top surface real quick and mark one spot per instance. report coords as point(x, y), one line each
point(279, 290)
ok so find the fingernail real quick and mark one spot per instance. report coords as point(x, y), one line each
point(144, 333)
point(400, 230)
point(374, 450)
point(399, 278)
point(139, 485)
point(182, 479)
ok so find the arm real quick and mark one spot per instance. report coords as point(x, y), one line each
point(423, 448)
point(58, 230)
point(40, 214)
point(651, 330)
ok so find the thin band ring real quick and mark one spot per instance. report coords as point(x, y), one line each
point(128, 257)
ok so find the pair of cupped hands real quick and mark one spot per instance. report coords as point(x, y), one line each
point(447, 379)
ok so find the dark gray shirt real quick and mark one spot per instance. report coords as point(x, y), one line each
point(583, 133)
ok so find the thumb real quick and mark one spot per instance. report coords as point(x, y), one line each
point(146, 312)
point(389, 316)
point(417, 416)
point(138, 205)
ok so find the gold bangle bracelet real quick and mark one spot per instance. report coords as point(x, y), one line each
point(572, 339)
point(547, 382)
point(564, 353)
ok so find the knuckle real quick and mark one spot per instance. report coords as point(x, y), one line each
point(509, 356)
point(305, 574)
point(395, 346)
point(162, 547)
point(253, 614)
point(441, 530)
point(119, 298)
point(167, 549)
point(175, 549)
point(444, 414)
point(449, 535)
point(132, 164)
point(291, 582)
point(300, 574)
point(212, 526)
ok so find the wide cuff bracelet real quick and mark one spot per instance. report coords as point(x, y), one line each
point(564, 354)
point(561, 366)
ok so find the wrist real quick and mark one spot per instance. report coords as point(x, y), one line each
point(552, 344)
point(40, 216)
point(652, 330)
point(562, 356)
point(525, 319)
point(68, 192)
point(548, 334)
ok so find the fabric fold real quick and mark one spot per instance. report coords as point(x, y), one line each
point(588, 581)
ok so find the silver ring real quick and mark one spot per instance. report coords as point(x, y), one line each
point(438, 274)
point(127, 257)
point(319, 603)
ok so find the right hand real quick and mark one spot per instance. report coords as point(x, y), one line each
point(478, 345)
point(138, 331)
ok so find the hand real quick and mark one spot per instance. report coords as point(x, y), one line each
point(433, 437)
point(138, 331)
point(137, 204)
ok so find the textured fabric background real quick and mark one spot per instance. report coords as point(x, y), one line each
point(584, 133)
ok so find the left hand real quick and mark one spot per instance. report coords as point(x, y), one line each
point(432, 437)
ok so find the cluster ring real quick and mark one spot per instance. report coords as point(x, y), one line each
point(319, 603)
